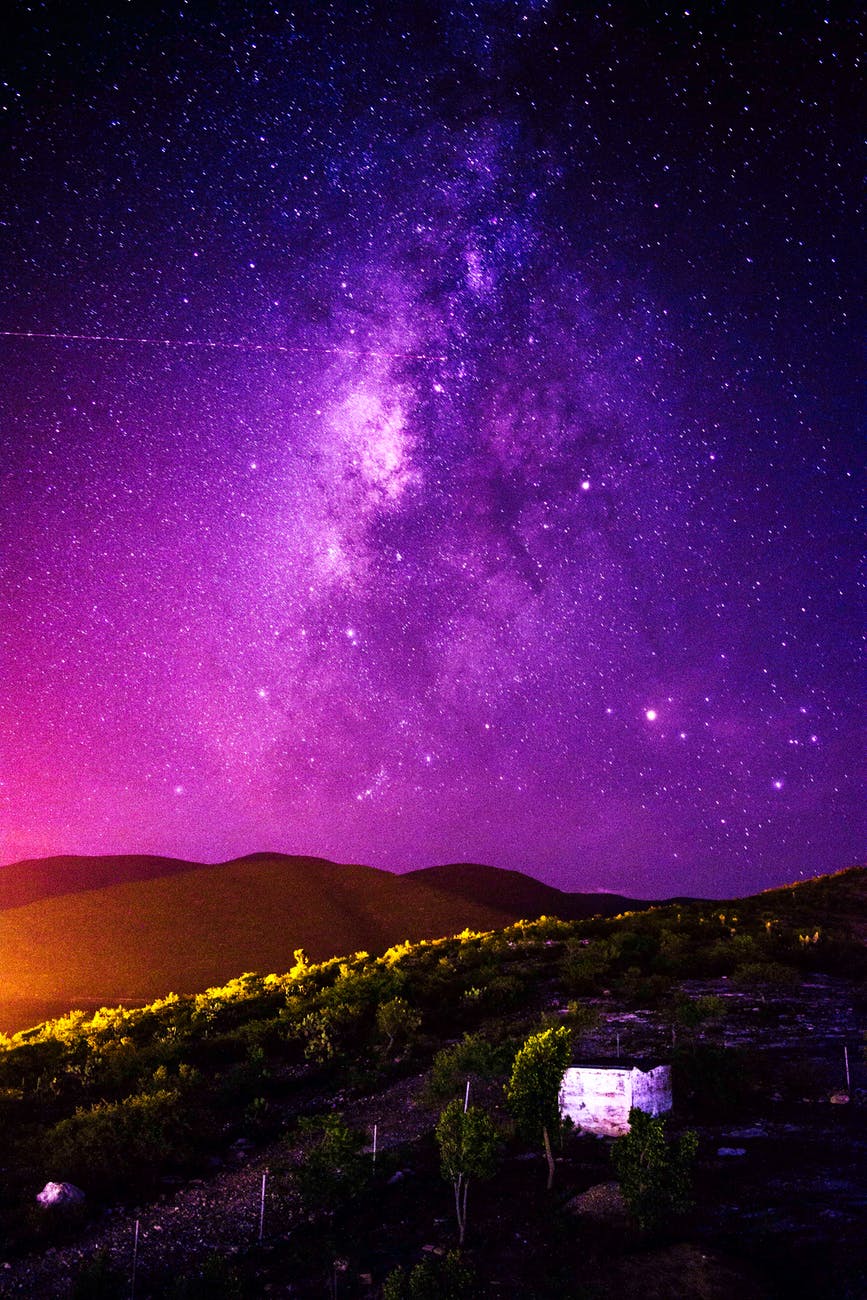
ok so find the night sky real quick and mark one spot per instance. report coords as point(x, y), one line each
point(436, 438)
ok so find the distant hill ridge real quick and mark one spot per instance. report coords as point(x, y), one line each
point(33, 879)
point(86, 931)
point(36, 878)
point(524, 895)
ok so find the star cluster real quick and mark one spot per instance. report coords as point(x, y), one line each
point(431, 433)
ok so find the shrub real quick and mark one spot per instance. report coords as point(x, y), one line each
point(499, 992)
point(577, 1017)
point(712, 1079)
point(635, 948)
point(474, 1057)
point(655, 1174)
point(433, 1279)
point(216, 1279)
point(397, 1019)
point(334, 1170)
point(585, 966)
point(643, 990)
point(114, 1143)
point(326, 1031)
point(99, 1279)
point(773, 974)
point(692, 1012)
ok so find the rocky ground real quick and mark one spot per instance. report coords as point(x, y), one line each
point(215, 1215)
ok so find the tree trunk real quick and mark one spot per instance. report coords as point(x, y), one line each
point(460, 1217)
point(464, 1215)
point(549, 1156)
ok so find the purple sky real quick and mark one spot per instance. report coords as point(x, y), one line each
point(529, 536)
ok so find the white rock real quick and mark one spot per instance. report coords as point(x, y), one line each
point(60, 1194)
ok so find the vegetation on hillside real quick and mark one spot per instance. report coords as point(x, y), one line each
point(116, 1101)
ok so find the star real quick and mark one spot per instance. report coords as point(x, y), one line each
point(490, 451)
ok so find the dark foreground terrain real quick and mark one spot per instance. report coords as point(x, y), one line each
point(760, 1075)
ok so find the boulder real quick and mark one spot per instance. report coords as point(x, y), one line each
point(603, 1203)
point(60, 1194)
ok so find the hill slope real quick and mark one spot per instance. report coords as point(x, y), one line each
point(200, 926)
point(85, 931)
point(522, 896)
point(36, 878)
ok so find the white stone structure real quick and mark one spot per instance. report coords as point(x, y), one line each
point(598, 1098)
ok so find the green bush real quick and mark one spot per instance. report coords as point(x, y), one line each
point(577, 1017)
point(433, 1279)
point(326, 1032)
point(693, 1012)
point(585, 966)
point(99, 1279)
point(710, 1079)
point(635, 947)
point(655, 1175)
point(216, 1279)
point(641, 990)
point(474, 1058)
point(397, 1020)
point(116, 1143)
point(768, 974)
point(334, 1171)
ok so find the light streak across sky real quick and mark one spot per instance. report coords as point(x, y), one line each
point(238, 345)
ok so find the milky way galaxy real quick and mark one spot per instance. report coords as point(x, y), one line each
point(430, 433)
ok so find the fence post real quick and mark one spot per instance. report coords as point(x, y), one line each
point(134, 1260)
point(262, 1208)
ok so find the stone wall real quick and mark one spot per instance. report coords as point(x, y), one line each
point(598, 1099)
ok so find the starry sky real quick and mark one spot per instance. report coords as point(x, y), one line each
point(431, 432)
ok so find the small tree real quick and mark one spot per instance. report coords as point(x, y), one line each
point(396, 1019)
point(655, 1175)
point(467, 1141)
point(334, 1170)
point(533, 1091)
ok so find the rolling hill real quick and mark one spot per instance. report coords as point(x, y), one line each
point(519, 894)
point(36, 878)
point(163, 925)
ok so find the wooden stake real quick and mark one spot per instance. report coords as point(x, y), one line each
point(846, 1063)
point(467, 1098)
point(262, 1208)
point(374, 1145)
point(134, 1261)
